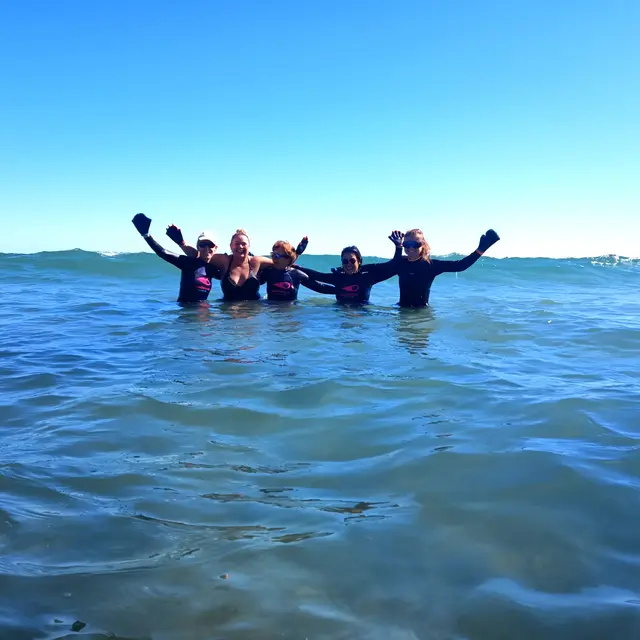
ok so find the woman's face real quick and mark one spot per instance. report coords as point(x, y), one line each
point(413, 247)
point(206, 250)
point(350, 263)
point(280, 259)
point(240, 245)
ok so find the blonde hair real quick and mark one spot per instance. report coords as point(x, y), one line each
point(425, 249)
point(287, 249)
point(239, 232)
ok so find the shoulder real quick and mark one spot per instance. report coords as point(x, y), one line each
point(189, 262)
point(259, 261)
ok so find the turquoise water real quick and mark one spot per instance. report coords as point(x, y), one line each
point(467, 471)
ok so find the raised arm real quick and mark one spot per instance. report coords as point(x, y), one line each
point(302, 245)
point(384, 270)
point(176, 235)
point(142, 223)
point(487, 240)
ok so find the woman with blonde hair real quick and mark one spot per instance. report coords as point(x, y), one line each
point(240, 277)
point(417, 269)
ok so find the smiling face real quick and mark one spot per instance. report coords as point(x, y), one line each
point(350, 262)
point(282, 254)
point(415, 246)
point(239, 245)
point(206, 249)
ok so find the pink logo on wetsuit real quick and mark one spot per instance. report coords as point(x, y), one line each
point(350, 291)
point(202, 282)
point(280, 288)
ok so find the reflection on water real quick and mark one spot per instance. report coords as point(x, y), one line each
point(413, 329)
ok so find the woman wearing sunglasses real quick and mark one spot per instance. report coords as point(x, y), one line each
point(241, 271)
point(417, 270)
point(354, 280)
point(197, 270)
point(282, 280)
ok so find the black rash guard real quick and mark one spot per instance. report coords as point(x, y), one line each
point(248, 290)
point(283, 284)
point(357, 287)
point(195, 281)
point(415, 278)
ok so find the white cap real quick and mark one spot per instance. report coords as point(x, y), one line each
point(207, 236)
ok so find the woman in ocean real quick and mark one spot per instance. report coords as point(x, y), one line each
point(197, 270)
point(354, 280)
point(417, 270)
point(240, 270)
point(282, 280)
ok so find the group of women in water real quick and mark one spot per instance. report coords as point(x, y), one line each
point(241, 273)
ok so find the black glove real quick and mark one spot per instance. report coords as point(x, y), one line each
point(396, 237)
point(175, 234)
point(487, 240)
point(302, 246)
point(141, 223)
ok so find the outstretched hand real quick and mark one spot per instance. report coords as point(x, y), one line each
point(141, 223)
point(397, 237)
point(302, 246)
point(488, 239)
point(175, 234)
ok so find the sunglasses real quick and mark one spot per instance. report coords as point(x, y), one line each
point(349, 261)
point(206, 244)
point(276, 256)
point(411, 244)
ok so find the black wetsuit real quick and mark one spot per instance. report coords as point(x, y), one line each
point(195, 281)
point(283, 284)
point(415, 278)
point(248, 290)
point(357, 287)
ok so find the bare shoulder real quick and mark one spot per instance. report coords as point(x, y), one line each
point(219, 259)
point(260, 261)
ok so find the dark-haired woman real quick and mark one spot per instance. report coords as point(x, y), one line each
point(354, 280)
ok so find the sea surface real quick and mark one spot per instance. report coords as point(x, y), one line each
point(310, 471)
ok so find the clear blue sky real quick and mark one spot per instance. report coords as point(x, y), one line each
point(340, 120)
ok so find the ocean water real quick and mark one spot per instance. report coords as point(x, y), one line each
point(467, 471)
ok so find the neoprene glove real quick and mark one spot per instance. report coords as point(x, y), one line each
point(396, 237)
point(487, 240)
point(302, 246)
point(141, 223)
point(175, 234)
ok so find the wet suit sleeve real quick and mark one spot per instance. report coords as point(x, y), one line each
point(172, 258)
point(384, 270)
point(263, 274)
point(330, 278)
point(455, 266)
point(213, 271)
point(316, 286)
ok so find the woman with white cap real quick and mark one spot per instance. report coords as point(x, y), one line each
point(197, 272)
point(241, 275)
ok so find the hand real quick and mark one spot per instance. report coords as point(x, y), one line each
point(141, 223)
point(302, 246)
point(487, 240)
point(397, 237)
point(175, 234)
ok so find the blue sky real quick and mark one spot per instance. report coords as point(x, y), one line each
point(340, 120)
